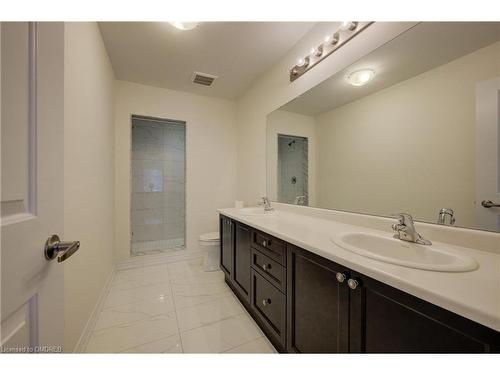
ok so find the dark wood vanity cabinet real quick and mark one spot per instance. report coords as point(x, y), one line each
point(242, 255)
point(383, 319)
point(317, 304)
point(226, 245)
point(305, 303)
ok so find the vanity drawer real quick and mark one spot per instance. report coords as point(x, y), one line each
point(269, 304)
point(271, 270)
point(271, 246)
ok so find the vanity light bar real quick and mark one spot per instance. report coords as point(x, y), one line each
point(345, 32)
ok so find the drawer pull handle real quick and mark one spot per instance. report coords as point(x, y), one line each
point(353, 284)
point(266, 302)
point(266, 267)
point(266, 243)
point(340, 277)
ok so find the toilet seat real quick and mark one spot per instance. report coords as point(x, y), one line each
point(211, 237)
point(211, 259)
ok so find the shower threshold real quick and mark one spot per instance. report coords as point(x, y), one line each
point(157, 247)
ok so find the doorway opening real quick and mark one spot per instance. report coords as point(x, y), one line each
point(293, 170)
point(158, 185)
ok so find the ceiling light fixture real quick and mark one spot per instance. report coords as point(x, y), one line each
point(185, 25)
point(360, 77)
point(331, 43)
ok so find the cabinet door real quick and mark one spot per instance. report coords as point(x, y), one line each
point(242, 260)
point(386, 320)
point(317, 304)
point(226, 245)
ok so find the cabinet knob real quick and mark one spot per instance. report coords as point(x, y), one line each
point(341, 277)
point(266, 267)
point(266, 301)
point(353, 284)
point(264, 243)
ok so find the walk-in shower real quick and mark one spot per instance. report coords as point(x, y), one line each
point(293, 170)
point(158, 185)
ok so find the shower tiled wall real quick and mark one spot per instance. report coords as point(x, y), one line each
point(158, 185)
point(292, 169)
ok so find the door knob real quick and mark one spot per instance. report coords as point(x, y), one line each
point(353, 284)
point(340, 277)
point(489, 204)
point(266, 302)
point(62, 250)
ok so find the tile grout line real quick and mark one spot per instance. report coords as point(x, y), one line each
point(175, 311)
point(212, 323)
point(246, 342)
point(149, 342)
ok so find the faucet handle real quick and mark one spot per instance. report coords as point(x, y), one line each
point(403, 218)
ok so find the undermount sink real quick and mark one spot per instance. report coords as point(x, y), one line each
point(254, 211)
point(395, 251)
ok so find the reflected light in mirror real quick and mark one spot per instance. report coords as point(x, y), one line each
point(184, 25)
point(360, 77)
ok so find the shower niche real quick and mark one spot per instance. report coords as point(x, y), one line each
point(158, 185)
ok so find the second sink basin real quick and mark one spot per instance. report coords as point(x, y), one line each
point(394, 251)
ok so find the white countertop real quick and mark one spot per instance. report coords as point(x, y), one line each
point(474, 295)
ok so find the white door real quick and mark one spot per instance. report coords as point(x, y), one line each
point(488, 154)
point(32, 114)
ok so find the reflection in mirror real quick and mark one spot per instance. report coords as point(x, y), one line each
point(411, 127)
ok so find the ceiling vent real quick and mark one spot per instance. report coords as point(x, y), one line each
point(203, 78)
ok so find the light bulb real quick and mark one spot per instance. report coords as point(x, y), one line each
point(184, 25)
point(348, 25)
point(332, 39)
point(301, 62)
point(317, 51)
point(360, 77)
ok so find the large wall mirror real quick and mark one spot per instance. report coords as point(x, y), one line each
point(411, 127)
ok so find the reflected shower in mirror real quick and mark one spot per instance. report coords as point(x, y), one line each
point(411, 127)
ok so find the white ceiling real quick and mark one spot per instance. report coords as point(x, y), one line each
point(157, 54)
point(423, 47)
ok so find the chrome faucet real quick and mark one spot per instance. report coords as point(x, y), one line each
point(446, 212)
point(267, 204)
point(405, 230)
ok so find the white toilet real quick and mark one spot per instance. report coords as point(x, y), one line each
point(211, 259)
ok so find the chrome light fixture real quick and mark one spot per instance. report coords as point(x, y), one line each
point(332, 42)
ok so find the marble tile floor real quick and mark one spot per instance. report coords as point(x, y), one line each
point(174, 308)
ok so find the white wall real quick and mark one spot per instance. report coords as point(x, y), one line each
point(282, 122)
point(419, 135)
point(210, 155)
point(88, 173)
point(273, 89)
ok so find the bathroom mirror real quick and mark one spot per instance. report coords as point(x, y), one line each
point(411, 127)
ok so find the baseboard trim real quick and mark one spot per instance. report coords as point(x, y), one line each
point(154, 259)
point(81, 345)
